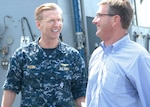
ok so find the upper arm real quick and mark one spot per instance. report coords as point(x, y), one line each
point(80, 101)
point(8, 98)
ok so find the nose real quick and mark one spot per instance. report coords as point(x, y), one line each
point(57, 23)
point(94, 21)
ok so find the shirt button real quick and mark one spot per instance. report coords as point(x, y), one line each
point(105, 56)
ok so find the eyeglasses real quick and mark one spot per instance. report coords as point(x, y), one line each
point(53, 21)
point(98, 15)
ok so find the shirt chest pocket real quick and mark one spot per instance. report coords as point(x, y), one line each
point(63, 73)
point(116, 83)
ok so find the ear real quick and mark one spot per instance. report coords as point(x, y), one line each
point(38, 24)
point(116, 20)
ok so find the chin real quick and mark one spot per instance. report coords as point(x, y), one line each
point(97, 34)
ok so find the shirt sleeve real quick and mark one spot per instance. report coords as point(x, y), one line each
point(79, 78)
point(14, 75)
point(142, 78)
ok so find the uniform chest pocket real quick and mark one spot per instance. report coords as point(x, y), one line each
point(64, 72)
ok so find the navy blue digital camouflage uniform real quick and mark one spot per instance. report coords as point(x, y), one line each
point(53, 80)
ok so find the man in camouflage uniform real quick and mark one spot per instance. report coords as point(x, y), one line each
point(47, 72)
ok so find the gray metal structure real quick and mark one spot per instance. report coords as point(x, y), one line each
point(78, 32)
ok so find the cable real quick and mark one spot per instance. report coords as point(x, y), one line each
point(24, 18)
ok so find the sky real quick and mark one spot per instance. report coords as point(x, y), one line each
point(144, 14)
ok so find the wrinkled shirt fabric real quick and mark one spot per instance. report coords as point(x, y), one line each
point(54, 80)
point(119, 76)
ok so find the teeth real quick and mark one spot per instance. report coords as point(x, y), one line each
point(55, 30)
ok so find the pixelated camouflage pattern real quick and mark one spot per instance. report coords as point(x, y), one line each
point(46, 81)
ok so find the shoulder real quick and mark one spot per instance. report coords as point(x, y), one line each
point(25, 49)
point(67, 48)
point(70, 52)
point(138, 49)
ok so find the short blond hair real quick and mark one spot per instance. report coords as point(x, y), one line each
point(46, 6)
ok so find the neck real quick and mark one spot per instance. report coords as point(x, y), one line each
point(115, 37)
point(48, 43)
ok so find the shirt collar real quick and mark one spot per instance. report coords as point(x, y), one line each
point(60, 46)
point(117, 45)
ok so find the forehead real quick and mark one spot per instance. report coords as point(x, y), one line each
point(103, 9)
point(51, 13)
